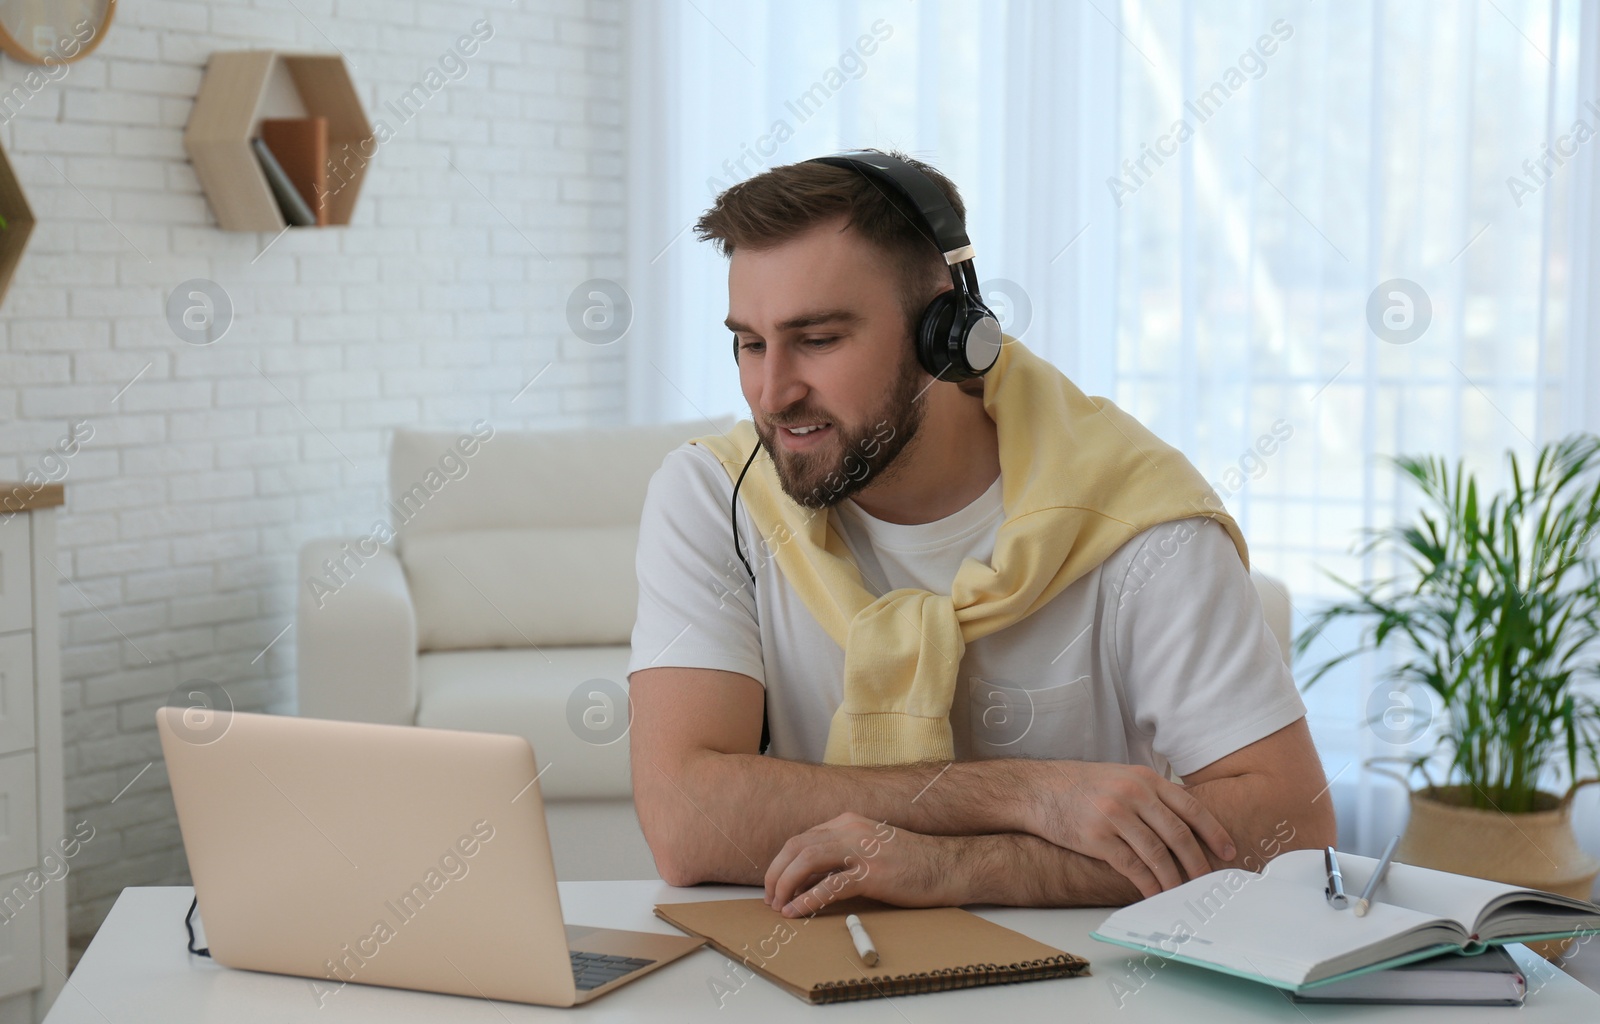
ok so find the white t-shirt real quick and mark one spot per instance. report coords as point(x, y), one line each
point(1160, 656)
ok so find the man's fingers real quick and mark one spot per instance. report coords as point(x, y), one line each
point(1132, 867)
point(1199, 819)
point(1150, 849)
point(1178, 837)
point(805, 883)
point(832, 888)
point(775, 870)
point(786, 856)
point(818, 858)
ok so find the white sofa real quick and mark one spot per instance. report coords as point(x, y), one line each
point(505, 603)
point(508, 589)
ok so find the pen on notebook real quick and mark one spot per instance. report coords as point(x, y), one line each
point(863, 941)
point(1335, 891)
point(1365, 899)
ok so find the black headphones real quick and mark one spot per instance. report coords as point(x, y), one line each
point(957, 337)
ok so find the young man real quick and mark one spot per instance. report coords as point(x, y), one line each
point(988, 620)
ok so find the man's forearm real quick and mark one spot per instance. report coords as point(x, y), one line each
point(723, 817)
point(1264, 820)
point(1023, 870)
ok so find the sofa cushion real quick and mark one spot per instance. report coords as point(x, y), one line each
point(487, 479)
point(526, 587)
point(525, 693)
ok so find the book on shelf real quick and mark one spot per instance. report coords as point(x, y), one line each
point(294, 208)
point(300, 145)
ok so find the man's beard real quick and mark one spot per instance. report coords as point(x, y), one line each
point(856, 456)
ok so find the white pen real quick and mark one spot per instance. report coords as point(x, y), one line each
point(863, 941)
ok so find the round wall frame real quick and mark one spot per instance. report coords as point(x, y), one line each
point(53, 31)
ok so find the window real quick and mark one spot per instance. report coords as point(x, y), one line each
point(1292, 240)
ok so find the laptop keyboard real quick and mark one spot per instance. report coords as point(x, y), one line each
point(591, 970)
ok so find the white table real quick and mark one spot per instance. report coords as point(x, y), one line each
point(137, 970)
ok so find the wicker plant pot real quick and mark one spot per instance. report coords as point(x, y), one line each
point(1535, 850)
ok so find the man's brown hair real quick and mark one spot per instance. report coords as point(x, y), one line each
point(783, 202)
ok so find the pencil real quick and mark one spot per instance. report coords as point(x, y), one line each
point(1365, 899)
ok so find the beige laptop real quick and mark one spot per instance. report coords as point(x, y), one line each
point(345, 852)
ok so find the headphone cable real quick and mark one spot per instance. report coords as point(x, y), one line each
point(733, 512)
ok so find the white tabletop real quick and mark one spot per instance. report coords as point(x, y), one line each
point(137, 970)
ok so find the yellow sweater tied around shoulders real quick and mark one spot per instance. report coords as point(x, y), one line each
point(1079, 478)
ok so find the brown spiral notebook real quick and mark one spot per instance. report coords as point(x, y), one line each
point(926, 950)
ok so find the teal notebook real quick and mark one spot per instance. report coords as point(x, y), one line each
point(1277, 928)
point(1490, 978)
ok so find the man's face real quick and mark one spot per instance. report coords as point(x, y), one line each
point(823, 341)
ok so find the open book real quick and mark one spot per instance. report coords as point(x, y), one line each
point(1277, 928)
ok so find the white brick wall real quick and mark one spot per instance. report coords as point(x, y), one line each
point(186, 508)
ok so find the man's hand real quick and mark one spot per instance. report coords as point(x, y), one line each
point(1126, 815)
point(852, 855)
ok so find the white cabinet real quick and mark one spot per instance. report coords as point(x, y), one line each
point(33, 889)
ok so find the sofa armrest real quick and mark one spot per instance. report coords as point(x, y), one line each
point(356, 653)
point(1277, 606)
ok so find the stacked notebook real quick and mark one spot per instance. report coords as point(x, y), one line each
point(1490, 978)
point(925, 950)
point(1278, 928)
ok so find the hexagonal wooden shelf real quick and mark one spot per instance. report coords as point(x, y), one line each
point(18, 223)
point(240, 88)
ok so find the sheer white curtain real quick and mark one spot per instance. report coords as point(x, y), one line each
point(1015, 102)
point(1187, 207)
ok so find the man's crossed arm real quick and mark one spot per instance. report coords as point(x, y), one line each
point(1015, 831)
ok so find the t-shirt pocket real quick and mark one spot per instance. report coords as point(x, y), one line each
point(1055, 722)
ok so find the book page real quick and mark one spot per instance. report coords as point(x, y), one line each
point(1459, 898)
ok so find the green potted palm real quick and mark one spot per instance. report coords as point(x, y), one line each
point(1494, 615)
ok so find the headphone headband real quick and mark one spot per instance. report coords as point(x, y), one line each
point(957, 337)
point(949, 234)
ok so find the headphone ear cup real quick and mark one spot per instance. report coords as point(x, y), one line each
point(934, 336)
point(980, 341)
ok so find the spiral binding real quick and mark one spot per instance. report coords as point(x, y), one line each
point(970, 976)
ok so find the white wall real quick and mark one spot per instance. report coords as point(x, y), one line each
point(443, 297)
